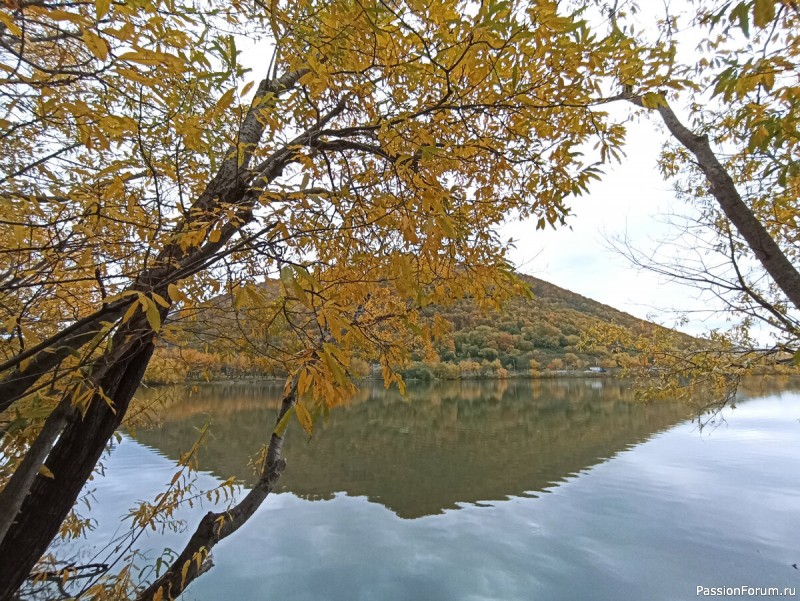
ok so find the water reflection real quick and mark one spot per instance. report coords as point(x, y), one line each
point(639, 521)
point(444, 444)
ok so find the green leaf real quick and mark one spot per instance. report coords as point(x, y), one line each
point(280, 427)
point(742, 15)
point(290, 283)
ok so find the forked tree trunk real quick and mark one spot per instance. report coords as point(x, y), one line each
point(71, 462)
point(119, 373)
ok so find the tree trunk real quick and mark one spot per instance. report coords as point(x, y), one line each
point(216, 526)
point(16, 490)
point(723, 188)
point(119, 372)
point(71, 462)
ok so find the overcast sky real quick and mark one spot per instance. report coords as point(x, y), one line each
point(630, 201)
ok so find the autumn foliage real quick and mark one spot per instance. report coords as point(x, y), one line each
point(366, 163)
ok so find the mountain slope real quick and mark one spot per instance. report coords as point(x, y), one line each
point(546, 329)
point(539, 333)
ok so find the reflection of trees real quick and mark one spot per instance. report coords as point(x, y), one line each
point(443, 444)
point(769, 385)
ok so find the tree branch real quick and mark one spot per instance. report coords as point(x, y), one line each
point(723, 188)
point(216, 526)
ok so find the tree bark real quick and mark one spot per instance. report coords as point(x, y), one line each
point(73, 457)
point(17, 487)
point(723, 188)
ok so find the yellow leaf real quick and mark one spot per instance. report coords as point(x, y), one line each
point(95, 44)
point(150, 58)
point(290, 283)
point(129, 313)
point(62, 15)
point(338, 353)
point(339, 374)
point(175, 293)
point(160, 300)
point(226, 100)
point(8, 21)
point(151, 313)
point(185, 571)
point(763, 12)
point(102, 6)
point(304, 417)
point(653, 100)
point(45, 471)
point(253, 297)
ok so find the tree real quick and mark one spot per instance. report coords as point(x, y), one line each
point(740, 243)
point(366, 167)
point(555, 364)
point(572, 360)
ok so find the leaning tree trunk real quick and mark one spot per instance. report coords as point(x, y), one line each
point(74, 457)
point(723, 189)
point(119, 372)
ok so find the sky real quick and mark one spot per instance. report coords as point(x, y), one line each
point(631, 202)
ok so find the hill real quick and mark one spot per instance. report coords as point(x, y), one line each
point(542, 332)
point(545, 329)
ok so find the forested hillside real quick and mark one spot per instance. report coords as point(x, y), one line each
point(547, 331)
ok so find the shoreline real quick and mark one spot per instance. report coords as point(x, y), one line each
point(547, 375)
point(573, 374)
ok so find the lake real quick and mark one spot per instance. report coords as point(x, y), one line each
point(508, 490)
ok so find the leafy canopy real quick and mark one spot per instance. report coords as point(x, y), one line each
point(144, 167)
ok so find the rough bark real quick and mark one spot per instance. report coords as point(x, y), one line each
point(45, 356)
point(216, 526)
point(15, 491)
point(723, 188)
point(73, 458)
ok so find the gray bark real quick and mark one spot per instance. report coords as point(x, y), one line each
point(722, 187)
point(216, 526)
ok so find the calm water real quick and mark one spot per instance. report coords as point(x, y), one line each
point(475, 491)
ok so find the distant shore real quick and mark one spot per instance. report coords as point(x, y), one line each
point(375, 377)
point(511, 375)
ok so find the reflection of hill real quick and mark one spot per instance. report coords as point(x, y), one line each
point(447, 443)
